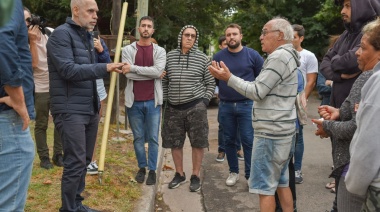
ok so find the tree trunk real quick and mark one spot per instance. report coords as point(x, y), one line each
point(116, 13)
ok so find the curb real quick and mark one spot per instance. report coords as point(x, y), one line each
point(147, 199)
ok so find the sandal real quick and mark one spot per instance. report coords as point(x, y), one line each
point(330, 185)
point(332, 190)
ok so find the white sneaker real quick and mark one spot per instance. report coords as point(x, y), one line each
point(92, 168)
point(232, 179)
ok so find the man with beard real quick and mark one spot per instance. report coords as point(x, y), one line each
point(74, 100)
point(235, 110)
point(340, 64)
point(145, 62)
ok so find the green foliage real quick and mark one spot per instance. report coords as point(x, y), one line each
point(320, 18)
point(253, 14)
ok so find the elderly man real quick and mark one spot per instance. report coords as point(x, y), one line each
point(274, 113)
point(74, 98)
point(187, 87)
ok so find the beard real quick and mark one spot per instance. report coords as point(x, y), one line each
point(142, 35)
point(233, 46)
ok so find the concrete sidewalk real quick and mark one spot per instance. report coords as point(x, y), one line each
point(216, 196)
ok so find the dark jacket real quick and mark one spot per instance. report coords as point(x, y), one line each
point(341, 132)
point(341, 58)
point(72, 70)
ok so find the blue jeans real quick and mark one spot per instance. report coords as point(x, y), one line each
point(16, 161)
point(298, 154)
point(270, 162)
point(234, 118)
point(144, 119)
point(221, 142)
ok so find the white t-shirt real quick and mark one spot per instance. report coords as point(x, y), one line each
point(309, 63)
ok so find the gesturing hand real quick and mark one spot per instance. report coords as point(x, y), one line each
point(219, 70)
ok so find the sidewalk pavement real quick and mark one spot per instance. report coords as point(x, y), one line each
point(216, 196)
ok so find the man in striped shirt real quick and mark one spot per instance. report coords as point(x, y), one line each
point(188, 87)
point(274, 114)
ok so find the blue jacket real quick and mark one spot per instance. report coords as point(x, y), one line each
point(15, 59)
point(73, 71)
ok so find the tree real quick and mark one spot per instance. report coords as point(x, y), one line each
point(319, 17)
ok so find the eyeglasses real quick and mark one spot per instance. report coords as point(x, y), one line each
point(265, 32)
point(188, 35)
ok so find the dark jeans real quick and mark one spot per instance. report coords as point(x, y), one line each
point(42, 105)
point(234, 118)
point(78, 135)
point(298, 153)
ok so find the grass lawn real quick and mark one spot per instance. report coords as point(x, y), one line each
point(118, 191)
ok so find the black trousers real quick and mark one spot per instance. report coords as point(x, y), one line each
point(292, 183)
point(78, 136)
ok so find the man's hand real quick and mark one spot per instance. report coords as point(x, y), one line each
point(163, 74)
point(329, 83)
point(328, 112)
point(126, 68)
point(320, 132)
point(34, 33)
point(115, 67)
point(219, 70)
point(17, 102)
point(98, 45)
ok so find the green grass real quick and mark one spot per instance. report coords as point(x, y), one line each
point(118, 192)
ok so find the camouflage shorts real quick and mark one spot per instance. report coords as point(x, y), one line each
point(176, 123)
point(372, 202)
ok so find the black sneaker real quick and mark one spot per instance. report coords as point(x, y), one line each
point(58, 160)
point(151, 180)
point(177, 180)
point(140, 176)
point(84, 208)
point(45, 163)
point(195, 183)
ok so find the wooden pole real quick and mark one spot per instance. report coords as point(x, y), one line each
point(111, 93)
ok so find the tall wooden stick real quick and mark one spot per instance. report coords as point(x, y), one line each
point(111, 93)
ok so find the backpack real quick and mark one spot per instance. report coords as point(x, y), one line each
point(301, 102)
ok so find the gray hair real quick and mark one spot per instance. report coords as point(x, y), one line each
point(283, 26)
point(372, 29)
point(75, 3)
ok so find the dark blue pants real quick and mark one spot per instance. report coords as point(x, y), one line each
point(78, 135)
point(234, 118)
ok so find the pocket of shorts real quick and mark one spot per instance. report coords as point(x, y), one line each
point(281, 151)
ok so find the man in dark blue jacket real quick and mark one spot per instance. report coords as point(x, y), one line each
point(74, 98)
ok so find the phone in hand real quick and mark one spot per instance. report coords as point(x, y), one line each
point(95, 34)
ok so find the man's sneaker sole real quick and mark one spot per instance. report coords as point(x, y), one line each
point(198, 189)
point(176, 186)
point(219, 160)
point(92, 172)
